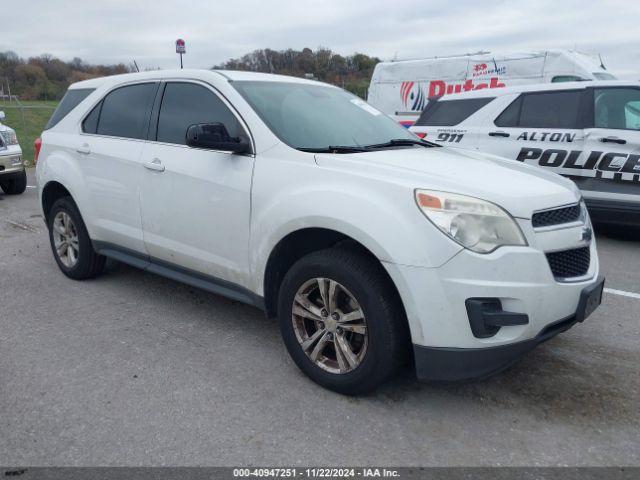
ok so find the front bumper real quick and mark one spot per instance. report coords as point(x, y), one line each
point(456, 364)
point(11, 162)
point(531, 302)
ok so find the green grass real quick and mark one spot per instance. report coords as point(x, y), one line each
point(27, 122)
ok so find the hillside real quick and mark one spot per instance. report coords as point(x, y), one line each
point(351, 72)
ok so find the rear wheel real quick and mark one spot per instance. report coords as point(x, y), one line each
point(70, 242)
point(16, 185)
point(342, 321)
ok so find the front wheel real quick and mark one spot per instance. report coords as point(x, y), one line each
point(16, 185)
point(342, 321)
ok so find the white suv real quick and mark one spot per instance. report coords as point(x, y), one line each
point(297, 197)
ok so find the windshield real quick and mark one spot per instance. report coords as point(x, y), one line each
point(316, 117)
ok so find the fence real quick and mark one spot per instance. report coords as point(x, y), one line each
point(28, 120)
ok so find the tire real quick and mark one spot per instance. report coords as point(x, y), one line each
point(85, 263)
point(15, 186)
point(361, 282)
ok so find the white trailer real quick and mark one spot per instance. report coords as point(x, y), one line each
point(402, 88)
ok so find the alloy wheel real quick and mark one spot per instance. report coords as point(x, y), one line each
point(65, 239)
point(330, 325)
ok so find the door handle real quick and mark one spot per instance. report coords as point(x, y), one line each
point(498, 134)
point(84, 149)
point(155, 165)
point(621, 141)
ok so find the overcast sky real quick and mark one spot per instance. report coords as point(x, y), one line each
point(113, 31)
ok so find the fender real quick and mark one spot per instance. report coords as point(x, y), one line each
point(59, 166)
point(394, 231)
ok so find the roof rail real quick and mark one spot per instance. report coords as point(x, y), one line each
point(479, 52)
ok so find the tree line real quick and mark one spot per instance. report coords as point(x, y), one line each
point(352, 72)
point(46, 77)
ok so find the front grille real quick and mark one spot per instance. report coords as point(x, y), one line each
point(570, 263)
point(557, 216)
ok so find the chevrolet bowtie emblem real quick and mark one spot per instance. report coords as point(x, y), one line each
point(587, 234)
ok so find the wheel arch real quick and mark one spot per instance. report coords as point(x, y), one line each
point(51, 192)
point(299, 243)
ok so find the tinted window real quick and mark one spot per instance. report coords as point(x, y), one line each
point(550, 109)
point(90, 122)
point(315, 116)
point(125, 111)
point(566, 78)
point(509, 116)
point(603, 76)
point(617, 108)
point(70, 101)
point(450, 112)
point(185, 104)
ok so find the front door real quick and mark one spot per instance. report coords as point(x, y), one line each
point(613, 144)
point(195, 202)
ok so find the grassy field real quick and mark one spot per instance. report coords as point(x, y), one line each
point(28, 119)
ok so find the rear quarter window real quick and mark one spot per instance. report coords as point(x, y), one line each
point(443, 113)
point(70, 101)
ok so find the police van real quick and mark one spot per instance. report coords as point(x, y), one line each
point(586, 131)
point(401, 89)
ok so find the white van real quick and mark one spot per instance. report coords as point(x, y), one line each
point(402, 88)
point(586, 131)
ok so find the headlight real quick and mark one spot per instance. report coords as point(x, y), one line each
point(9, 137)
point(475, 224)
point(584, 213)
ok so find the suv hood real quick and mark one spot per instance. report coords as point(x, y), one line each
point(518, 188)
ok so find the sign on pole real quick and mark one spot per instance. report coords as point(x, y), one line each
point(181, 49)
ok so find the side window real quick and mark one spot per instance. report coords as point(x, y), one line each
point(125, 111)
point(542, 110)
point(566, 78)
point(617, 108)
point(186, 104)
point(90, 122)
point(451, 112)
point(550, 109)
point(510, 115)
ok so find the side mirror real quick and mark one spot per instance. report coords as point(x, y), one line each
point(214, 136)
point(2, 116)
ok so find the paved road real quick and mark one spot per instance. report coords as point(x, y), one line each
point(134, 369)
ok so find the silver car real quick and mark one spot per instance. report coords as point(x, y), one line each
point(13, 177)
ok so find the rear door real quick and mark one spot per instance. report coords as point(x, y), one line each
point(613, 144)
point(114, 133)
point(539, 128)
point(195, 202)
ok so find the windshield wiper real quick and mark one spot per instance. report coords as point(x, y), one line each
point(336, 149)
point(403, 142)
